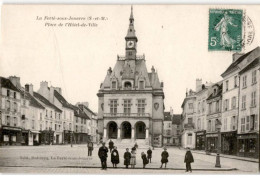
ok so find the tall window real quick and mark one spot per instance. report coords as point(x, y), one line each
point(253, 99)
point(8, 93)
point(225, 123)
point(244, 78)
point(254, 77)
point(247, 122)
point(14, 95)
point(210, 108)
point(234, 102)
point(33, 124)
point(233, 123)
point(141, 85)
point(252, 122)
point(15, 107)
point(226, 104)
point(244, 102)
point(114, 85)
point(15, 121)
point(190, 120)
point(8, 104)
point(189, 140)
point(46, 113)
point(242, 124)
point(217, 106)
point(209, 126)
point(227, 85)
point(203, 106)
point(127, 107)
point(198, 124)
point(7, 120)
point(190, 105)
point(141, 106)
point(40, 116)
point(113, 106)
point(199, 107)
point(235, 81)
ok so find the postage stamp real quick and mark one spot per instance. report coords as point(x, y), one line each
point(225, 30)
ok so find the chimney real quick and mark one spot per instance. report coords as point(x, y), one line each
point(198, 84)
point(153, 70)
point(51, 96)
point(44, 85)
point(29, 89)
point(236, 56)
point(15, 81)
point(171, 111)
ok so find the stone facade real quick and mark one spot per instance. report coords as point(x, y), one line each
point(131, 100)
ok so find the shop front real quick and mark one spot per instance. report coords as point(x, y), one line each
point(200, 140)
point(11, 135)
point(82, 138)
point(229, 143)
point(67, 134)
point(212, 142)
point(46, 137)
point(248, 145)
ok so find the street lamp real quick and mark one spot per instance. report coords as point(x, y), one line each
point(218, 127)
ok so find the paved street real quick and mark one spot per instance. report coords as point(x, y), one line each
point(64, 159)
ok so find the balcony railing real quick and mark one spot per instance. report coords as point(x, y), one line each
point(189, 126)
point(138, 57)
point(126, 115)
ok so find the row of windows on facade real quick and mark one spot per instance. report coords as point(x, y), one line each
point(244, 80)
point(169, 132)
point(216, 106)
point(127, 106)
point(249, 123)
point(11, 106)
point(11, 94)
point(128, 85)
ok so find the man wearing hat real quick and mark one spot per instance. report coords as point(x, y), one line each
point(188, 159)
point(102, 153)
point(165, 156)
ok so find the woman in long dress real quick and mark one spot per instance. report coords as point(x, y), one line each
point(114, 157)
point(133, 159)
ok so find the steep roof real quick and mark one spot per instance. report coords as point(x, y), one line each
point(79, 113)
point(250, 65)
point(219, 93)
point(62, 100)
point(32, 101)
point(6, 83)
point(83, 106)
point(234, 65)
point(167, 116)
point(45, 101)
point(176, 119)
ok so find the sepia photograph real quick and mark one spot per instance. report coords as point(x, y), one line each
point(129, 89)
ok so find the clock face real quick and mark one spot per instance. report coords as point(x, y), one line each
point(130, 44)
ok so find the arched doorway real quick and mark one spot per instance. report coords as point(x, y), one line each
point(140, 130)
point(126, 130)
point(112, 130)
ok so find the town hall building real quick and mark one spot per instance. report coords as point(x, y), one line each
point(131, 99)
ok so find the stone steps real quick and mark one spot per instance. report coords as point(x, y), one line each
point(129, 143)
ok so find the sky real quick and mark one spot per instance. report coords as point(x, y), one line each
point(174, 39)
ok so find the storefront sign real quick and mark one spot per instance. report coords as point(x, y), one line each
point(247, 136)
point(200, 133)
point(11, 128)
point(212, 135)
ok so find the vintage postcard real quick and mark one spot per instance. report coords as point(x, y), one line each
point(130, 89)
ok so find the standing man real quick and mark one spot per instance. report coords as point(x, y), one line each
point(90, 148)
point(115, 157)
point(149, 155)
point(188, 160)
point(127, 157)
point(111, 145)
point(102, 153)
point(165, 156)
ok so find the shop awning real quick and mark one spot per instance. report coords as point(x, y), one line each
point(247, 136)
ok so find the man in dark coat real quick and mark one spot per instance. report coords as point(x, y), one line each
point(127, 157)
point(102, 153)
point(165, 156)
point(188, 159)
point(90, 148)
point(149, 155)
point(111, 145)
point(114, 157)
point(144, 158)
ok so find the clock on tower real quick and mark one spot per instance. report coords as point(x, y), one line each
point(131, 39)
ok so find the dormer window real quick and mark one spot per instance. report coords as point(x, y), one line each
point(141, 85)
point(113, 84)
point(215, 91)
point(128, 85)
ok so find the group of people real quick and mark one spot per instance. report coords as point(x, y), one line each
point(130, 157)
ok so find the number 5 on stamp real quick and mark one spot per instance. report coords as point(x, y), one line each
point(225, 30)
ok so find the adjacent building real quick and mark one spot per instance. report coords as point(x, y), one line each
point(188, 120)
point(131, 99)
point(249, 106)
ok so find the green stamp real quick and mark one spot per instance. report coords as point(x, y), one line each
point(225, 30)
